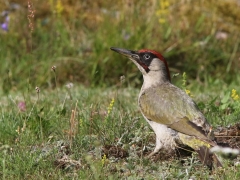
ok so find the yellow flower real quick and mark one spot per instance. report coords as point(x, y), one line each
point(104, 158)
point(110, 107)
point(166, 4)
point(163, 11)
point(234, 95)
point(59, 7)
point(161, 20)
point(188, 92)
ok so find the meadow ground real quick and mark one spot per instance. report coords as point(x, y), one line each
point(83, 133)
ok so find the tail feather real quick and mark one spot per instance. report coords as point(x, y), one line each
point(208, 159)
point(202, 148)
point(216, 160)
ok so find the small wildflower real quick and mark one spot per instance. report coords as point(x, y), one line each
point(188, 92)
point(18, 130)
point(69, 85)
point(234, 95)
point(161, 20)
point(220, 35)
point(22, 106)
point(184, 82)
point(53, 68)
point(37, 89)
point(110, 107)
point(104, 158)
point(163, 11)
point(4, 25)
point(21, 130)
point(30, 15)
point(59, 7)
point(122, 78)
point(166, 4)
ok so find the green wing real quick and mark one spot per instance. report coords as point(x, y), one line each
point(169, 105)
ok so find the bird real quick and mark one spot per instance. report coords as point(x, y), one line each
point(173, 115)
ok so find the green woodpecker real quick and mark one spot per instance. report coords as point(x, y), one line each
point(171, 113)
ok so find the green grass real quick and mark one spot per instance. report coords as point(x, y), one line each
point(63, 131)
point(43, 139)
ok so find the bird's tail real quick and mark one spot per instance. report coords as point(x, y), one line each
point(207, 158)
point(202, 148)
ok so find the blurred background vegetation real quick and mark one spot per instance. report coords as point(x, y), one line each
point(200, 37)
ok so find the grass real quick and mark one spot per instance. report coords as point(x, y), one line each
point(62, 134)
point(83, 122)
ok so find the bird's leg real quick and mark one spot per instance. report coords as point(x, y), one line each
point(159, 145)
point(164, 136)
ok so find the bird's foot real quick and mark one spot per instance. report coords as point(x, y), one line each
point(151, 154)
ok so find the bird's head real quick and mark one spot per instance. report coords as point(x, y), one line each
point(151, 63)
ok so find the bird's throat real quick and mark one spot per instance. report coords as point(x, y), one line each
point(154, 78)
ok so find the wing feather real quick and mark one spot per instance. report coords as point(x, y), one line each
point(171, 106)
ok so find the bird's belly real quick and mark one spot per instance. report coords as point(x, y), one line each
point(165, 135)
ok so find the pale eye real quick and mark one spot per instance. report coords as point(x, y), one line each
point(146, 56)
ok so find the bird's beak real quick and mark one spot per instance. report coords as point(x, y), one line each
point(133, 55)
